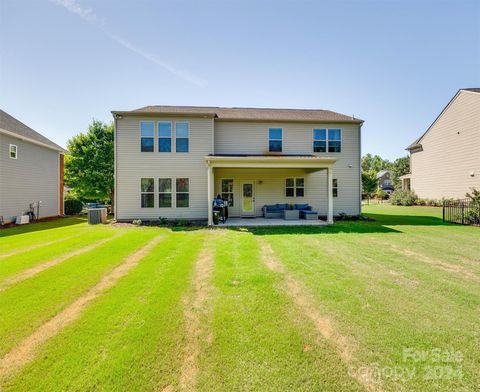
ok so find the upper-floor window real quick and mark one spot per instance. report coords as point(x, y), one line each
point(182, 192)
point(334, 140)
point(319, 140)
point(13, 151)
point(164, 137)
point(182, 134)
point(294, 187)
point(275, 139)
point(327, 140)
point(147, 136)
point(147, 191)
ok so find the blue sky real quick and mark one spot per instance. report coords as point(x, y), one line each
point(395, 64)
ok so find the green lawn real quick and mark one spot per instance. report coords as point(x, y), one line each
point(389, 305)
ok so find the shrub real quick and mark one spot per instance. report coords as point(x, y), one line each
point(403, 198)
point(380, 194)
point(137, 222)
point(73, 206)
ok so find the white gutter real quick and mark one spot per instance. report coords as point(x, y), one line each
point(27, 139)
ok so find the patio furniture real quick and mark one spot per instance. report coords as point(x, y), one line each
point(274, 210)
point(309, 215)
point(291, 214)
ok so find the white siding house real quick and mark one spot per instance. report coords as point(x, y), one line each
point(31, 170)
point(445, 160)
point(171, 161)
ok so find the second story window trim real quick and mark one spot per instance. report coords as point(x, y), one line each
point(275, 139)
point(182, 136)
point(327, 140)
point(147, 136)
point(13, 151)
point(164, 136)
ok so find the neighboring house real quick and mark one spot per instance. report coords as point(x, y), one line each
point(385, 183)
point(170, 161)
point(31, 170)
point(445, 160)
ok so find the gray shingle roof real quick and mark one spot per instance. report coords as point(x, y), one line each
point(11, 124)
point(260, 114)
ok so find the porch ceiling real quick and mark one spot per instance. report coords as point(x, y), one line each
point(270, 161)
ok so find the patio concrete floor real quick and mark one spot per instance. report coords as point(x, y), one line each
point(259, 221)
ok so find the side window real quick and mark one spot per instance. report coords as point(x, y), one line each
point(147, 136)
point(319, 140)
point(182, 134)
point(227, 191)
point(275, 139)
point(334, 140)
point(13, 151)
point(335, 187)
point(165, 192)
point(164, 137)
point(182, 192)
point(147, 189)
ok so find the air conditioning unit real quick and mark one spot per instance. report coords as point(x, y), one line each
point(22, 219)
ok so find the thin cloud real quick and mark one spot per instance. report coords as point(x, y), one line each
point(89, 15)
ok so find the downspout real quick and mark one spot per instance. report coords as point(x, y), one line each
point(115, 201)
point(360, 166)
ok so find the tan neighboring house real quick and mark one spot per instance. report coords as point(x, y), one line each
point(170, 161)
point(31, 170)
point(445, 160)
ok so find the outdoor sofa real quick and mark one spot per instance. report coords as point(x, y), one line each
point(277, 211)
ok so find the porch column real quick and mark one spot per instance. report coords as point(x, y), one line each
point(330, 194)
point(210, 195)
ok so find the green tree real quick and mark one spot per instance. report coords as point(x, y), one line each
point(369, 182)
point(400, 167)
point(89, 166)
point(375, 163)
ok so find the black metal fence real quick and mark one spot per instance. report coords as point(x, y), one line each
point(463, 212)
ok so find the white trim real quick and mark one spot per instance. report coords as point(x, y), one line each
point(171, 191)
point(10, 151)
point(147, 193)
point(266, 162)
point(27, 139)
point(253, 211)
point(294, 187)
point(268, 139)
point(158, 137)
point(210, 193)
point(189, 147)
point(182, 193)
point(140, 134)
point(326, 141)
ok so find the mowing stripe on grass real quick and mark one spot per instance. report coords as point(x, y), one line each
point(323, 324)
point(42, 267)
point(195, 305)
point(36, 246)
point(25, 351)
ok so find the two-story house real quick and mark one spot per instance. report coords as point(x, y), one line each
point(171, 161)
point(445, 160)
point(31, 171)
point(385, 182)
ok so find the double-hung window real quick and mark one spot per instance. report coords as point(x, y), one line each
point(164, 137)
point(334, 140)
point(294, 187)
point(182, 134)
point(275, 139)
point(147, 189)
point(147, 136)
point(13, 151)
point(319, 140)
point(227, 191)
point(182, 192)
point(164, 192)
point(327, 140)
point(335, 187)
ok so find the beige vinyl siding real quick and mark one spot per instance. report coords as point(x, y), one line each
point(33, 176)
point(132, 165)
point(451, 151)
point(252, 138)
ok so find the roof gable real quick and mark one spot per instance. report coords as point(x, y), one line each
point(17, 128)
point(416, 144)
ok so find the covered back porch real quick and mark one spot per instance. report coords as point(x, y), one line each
point(249, 182)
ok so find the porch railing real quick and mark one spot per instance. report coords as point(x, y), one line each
point(463, 212)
